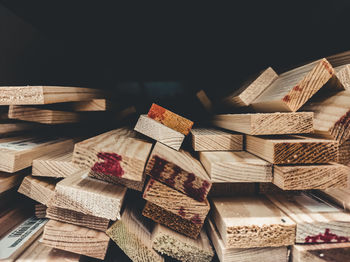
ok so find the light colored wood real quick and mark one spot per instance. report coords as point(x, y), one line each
point(180, 247)
point(317, 221)
point(159, 132)
point(293, 149)
point(179, 170)
point(133, 234)
point(211, 139)
point(76, 239)
point(15, 127)
point(90, 196)
point(40, 189)
point(265, 254)
point(205, 101)
point(344, 153)
point(247, 222)
point(267, 123)
point(118, 156)
point(40, 210)
point(170, 119)
point(228, 167)
point(251, 89)
point(339, 196)
point(311, 176)
point(232, 189)
point(294, 88)
point(39, 95)
point(17, 153)
point(343, 74)
point(11, 180)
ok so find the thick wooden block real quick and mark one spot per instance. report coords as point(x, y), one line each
point(76, 239)
point(159, 132)
point(228, 166)
point(294, 88)
point(17, 153)
point(170, 119)
point(211, 139)
point(311, 176)
point(247, 222)
point(232, 189)
point(266, 124)
point(179, 170)
point(266, 254)
point(251, 89)
point(317, 221)
point(293, 149)
point(39, 95)
point(90, 196)
point(182, 248)
point(339, 196)
point(9, 181)
point(40, 210)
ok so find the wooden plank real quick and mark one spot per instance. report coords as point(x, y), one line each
point(228, 166)
point(247, 222)
point(170, 119)
point(344, 153)
point(211, 139)
point(294, 88)
point(90, 196)
point(251, 89)
point(40, 189)
point(339, 196)
point(76, 239)
point(9, 181)
point(205, 101)
point(182, 248)
point(17, 153)
point(84, 106)
point(266, 124)
point(133, 234)
point(339, 59)
point(179, 170)
point(266, 254)
point(311, 176)
point(39, 95)
point(293, 149)
point(40, 210)
point(117, 156)
point(55, 165)
point(159, 132)
point(13, 127)
point(232, 189)
point(317, 221)
point(343, 74)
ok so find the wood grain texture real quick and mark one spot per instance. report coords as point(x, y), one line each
point(13, 127)
point(339, 196)
point(179, 170)
point(89, 196)
point(75, 239)
point(232, 189)
point(85, 106)
point(159, 132)
point(170, 119)
point(311, 176)
point(266, 254)
point(9, 181)
point(339, 59)
point(267, 123)
point(228, 166)
point(247, 222)
point(251, 89)
point(293, 149)
point(40, 210)
point(344, 153)
point(38, 95)
point(294, 88)
point(317, 221)
point(170, 243)
point(343, 74)
point(205, 101)
point(211, 139)
point(17, 153)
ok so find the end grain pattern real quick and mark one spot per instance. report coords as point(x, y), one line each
point(343, 74)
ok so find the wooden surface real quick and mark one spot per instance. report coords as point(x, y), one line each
point(180, 247)
point(15, 127)
point(205, 101)
point(76, 239)
point(266, 254)
point(159, 132)
point(344, 153)
point(311, 176)
point(179, 170)
point(343, 74)
point(266, 124)
point(84, 106)
point(211, 139)
point(170, 119)
point(293, 88)
point(339, 59)
point(241, 166)
point(9, 181)
point(232, 189)
point(339, 196)
point(317, 221)
point(247, 222)
point(35, 95)
point(40, 210)
point(90, 196)
point(251, 89)
point(17, 153)
point(293, 149)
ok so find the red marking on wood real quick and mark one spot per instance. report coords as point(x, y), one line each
point(171, 180)
point(156, 112)
point(297, 88)
point(328, 67)
point(110, 164)
point(182, 211)
point(196, 219)
point(158, 166)
point(327, 237)
point(196, 193)
point(286, 98)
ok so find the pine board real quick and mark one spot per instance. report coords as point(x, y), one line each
point(339, 196)
point(40, 210)
point(343, 74)
point(9, 181)
point(12, 127)
point(344, 153)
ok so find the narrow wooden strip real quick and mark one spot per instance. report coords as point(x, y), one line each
point(205, 101)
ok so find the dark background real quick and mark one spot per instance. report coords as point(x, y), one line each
point(152, 51)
